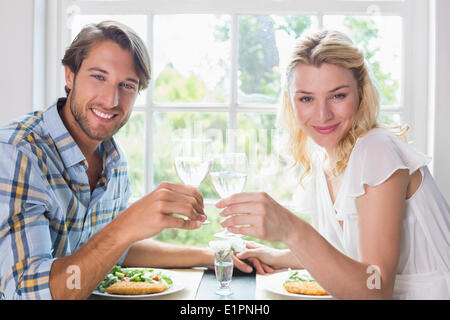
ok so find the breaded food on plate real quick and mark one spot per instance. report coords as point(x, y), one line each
point(305, 287)
point(135, 288)
point(135, 281)
point(301, 282)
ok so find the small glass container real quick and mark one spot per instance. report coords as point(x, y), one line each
point(223, 265)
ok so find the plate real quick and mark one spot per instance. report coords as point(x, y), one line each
point(274, 284)
point(176, 286)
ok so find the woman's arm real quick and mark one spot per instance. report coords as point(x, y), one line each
point(381, 211)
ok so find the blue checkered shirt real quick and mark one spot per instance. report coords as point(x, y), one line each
point(47, 210)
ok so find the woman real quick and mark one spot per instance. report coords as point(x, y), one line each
point(381, 228)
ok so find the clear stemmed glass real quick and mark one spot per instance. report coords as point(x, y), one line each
point(228, 175)
point(192, 162)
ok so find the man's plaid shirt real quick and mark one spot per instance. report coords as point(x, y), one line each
point(46, 208)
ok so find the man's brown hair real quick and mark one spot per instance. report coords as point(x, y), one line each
point(124, 36)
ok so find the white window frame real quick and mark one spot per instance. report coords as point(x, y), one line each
point(414, 80)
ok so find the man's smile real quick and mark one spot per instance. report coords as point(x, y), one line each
point(102, 115)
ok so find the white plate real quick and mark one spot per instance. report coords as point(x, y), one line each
point(274, 284)
point(176, 286)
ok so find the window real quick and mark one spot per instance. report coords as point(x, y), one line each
point(216, 73)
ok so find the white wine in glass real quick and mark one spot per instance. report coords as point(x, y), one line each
point(192, 162)
point(228, 175)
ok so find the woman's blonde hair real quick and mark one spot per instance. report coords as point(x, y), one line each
point(335, 48)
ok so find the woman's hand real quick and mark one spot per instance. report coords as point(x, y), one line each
point(256, 215)
point(268, 259)
point(238, 263)
point(254, 257)
point(260, 256)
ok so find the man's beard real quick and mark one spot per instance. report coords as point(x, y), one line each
point(83, 122)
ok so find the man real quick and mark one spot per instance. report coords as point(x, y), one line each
point(64, 182)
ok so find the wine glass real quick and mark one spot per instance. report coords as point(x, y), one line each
point(192, 162)
point(228, 175)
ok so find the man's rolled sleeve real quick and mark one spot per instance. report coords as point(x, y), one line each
point(32, 283)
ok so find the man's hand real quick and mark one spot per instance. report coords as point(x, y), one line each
point(154, 212)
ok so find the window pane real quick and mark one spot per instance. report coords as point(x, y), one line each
point(268, 155)
point(381, 39)
point(390, 119)
point(197, 237)
point(169, 126)
point(130, 140)
point(137, 22)
point(191, 58)
point(265, 42)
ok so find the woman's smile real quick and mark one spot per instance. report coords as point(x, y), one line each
point(326, 129)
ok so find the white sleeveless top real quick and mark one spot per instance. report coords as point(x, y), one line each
point(423, 270)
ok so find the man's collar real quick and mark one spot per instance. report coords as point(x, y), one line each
point(66, 145)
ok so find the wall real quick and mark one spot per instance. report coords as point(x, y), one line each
point(439, 145)
point(16, 58)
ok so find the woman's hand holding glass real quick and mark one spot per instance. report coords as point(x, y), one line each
point(256, 215)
